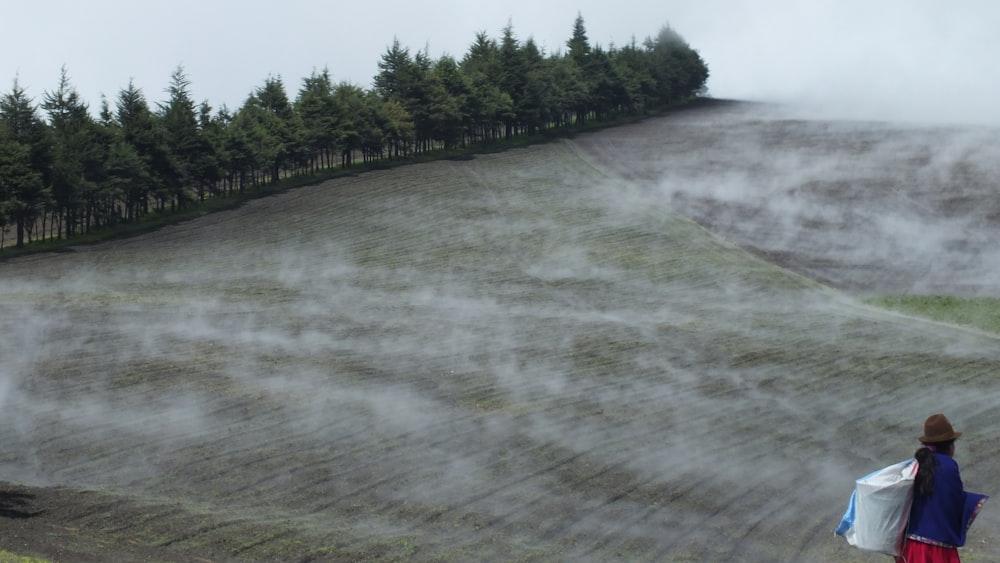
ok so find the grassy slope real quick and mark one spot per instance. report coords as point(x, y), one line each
point(982, 313)
point(635, 335)
point(7, 557)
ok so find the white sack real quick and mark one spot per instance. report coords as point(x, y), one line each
point(877, 516)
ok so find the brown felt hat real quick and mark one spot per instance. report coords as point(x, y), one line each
point(937, 428)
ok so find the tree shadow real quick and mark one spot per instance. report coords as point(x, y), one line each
point(15, 505)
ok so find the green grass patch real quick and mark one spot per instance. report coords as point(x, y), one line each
point(982, 313)
point(7, 557)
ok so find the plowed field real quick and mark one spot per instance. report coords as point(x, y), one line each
point(536, 355)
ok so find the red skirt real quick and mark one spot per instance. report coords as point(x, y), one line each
point(920, 552)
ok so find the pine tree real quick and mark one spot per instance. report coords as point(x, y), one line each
point(678, 69)
point(183, 139)
point(316, 109)
point(207, 165)
point(20, 120)
point(396, 73)
point(77, 156)
point(355, 115)
point(280, 133)
point(22, 195)
point(579, 45)
point(143, 132)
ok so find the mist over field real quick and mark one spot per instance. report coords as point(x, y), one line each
point(873, 207)
point(564, 352)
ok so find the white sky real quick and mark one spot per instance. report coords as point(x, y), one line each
point(910, 59)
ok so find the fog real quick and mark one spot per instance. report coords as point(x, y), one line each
point(872, 206)
point(531, 354)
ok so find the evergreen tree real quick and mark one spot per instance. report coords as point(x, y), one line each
point(607, 87)
point(22, 196)
point(410, 82)
point(396, 73)
point(397, 127)
point(632, 64)
point(373, 132)
point(141, 129)
point(513, 77)
point(128, 176)
point(317, 111)
point(579, 44)
point(678, 69)
point(453, 92)
point(533, 110)
point(21, 116)
point(77, 158)
point(355, 120)
point(182, 138)
point(206, 167)
point(240, 156)
point(572, 96)
point(281, 140)
point(259, 133)
point(488, 106)
point(580, 54)
point(429, 104)
point(22, 125)
point(103, 200)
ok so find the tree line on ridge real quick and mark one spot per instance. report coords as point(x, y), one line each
point(65, 171)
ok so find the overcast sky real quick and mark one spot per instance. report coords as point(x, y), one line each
point(909, 59)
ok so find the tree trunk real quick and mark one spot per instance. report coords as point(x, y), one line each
point(20, 232)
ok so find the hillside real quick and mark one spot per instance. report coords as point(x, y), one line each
point(532, 356)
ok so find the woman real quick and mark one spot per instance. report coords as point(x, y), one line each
point(942, 510)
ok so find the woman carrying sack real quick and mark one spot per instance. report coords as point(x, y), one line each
point(942, 510)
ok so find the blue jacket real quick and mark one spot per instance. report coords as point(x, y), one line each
point(945, 515)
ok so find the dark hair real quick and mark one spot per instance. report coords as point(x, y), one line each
point(923, 483)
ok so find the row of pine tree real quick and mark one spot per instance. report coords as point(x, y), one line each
point(64, 171)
